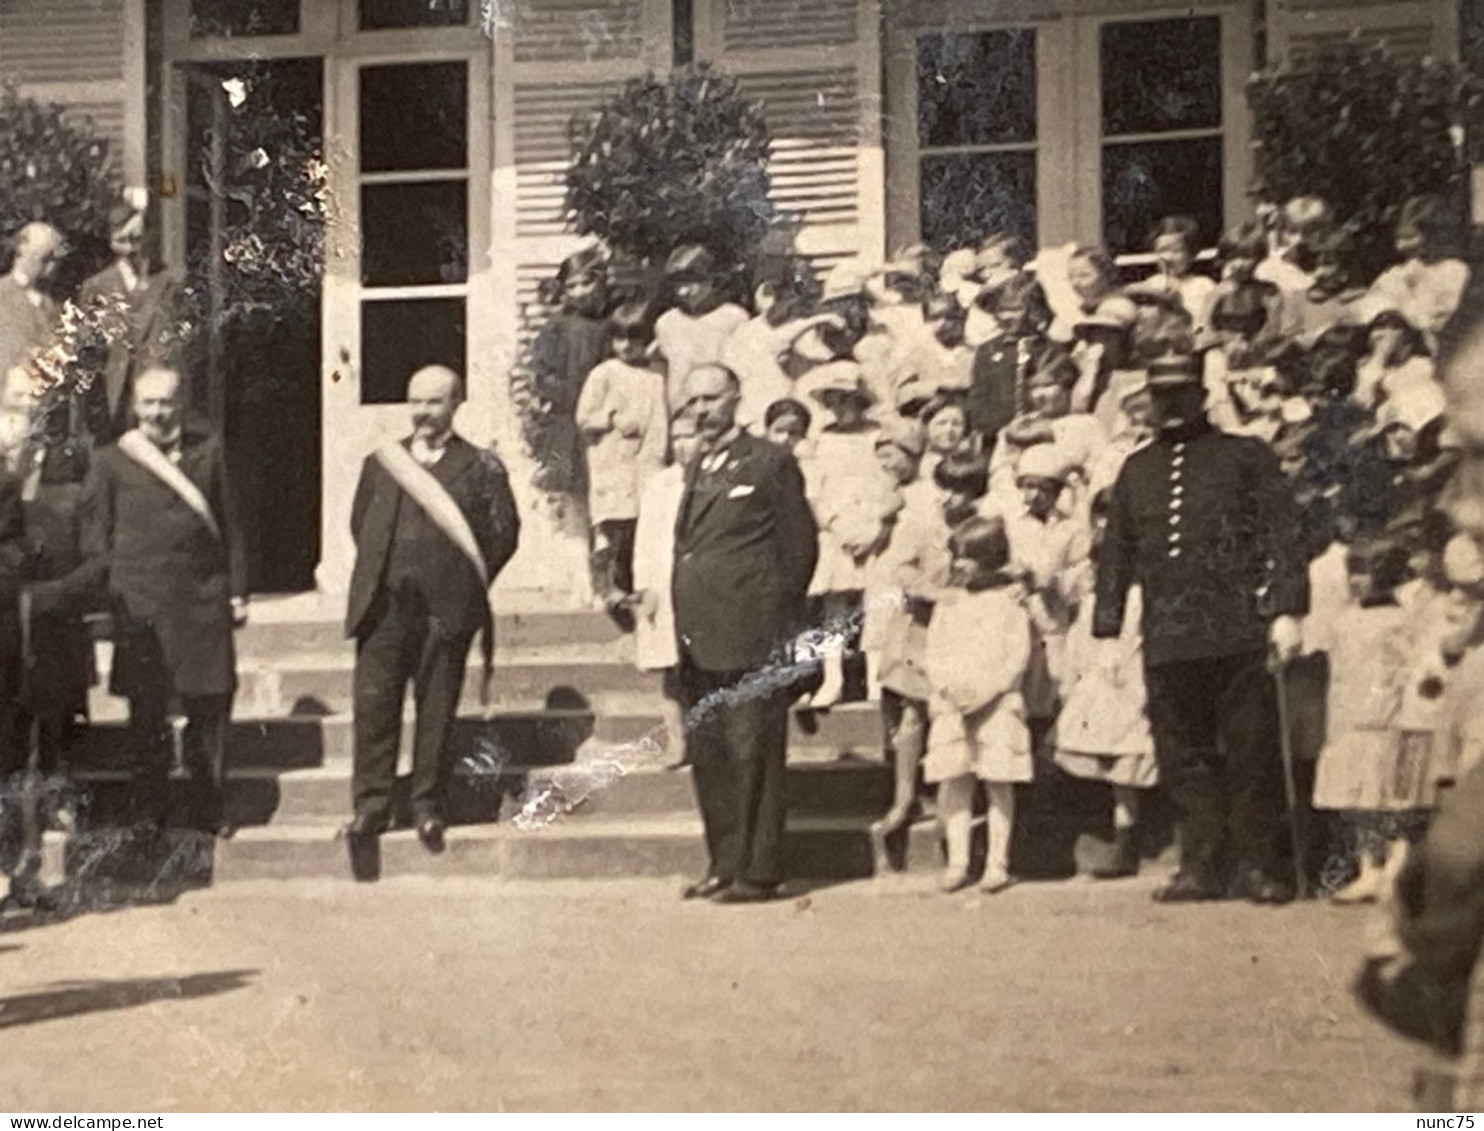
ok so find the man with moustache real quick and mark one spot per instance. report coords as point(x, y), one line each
point(1204, 523)
point(745, 549)
point(159, 531)
point(434, 522)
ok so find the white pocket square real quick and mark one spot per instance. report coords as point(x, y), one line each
point(741, 491)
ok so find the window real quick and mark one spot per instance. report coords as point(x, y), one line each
point(976, 135)
point(377, 15)
point(1162, 148)
point(221, 18)
point(400, 336)
point(414, 221)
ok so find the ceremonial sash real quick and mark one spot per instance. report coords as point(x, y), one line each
point(423, 488)
point(134, 445)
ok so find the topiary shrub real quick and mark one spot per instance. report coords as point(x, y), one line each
point(671, 161)
point(663, 162)
point(1365, 130)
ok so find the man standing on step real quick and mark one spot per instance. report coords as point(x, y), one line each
point(434, 522)
point(157, 523)
point(745, 549)
point(1204, 523)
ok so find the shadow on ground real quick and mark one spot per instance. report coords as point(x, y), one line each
point(69, 999)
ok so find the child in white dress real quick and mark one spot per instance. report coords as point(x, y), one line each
point(854, 503)
point(696, 328)
point(1427, 285)
point(1366, 771)
point(978, 643)
point(655, 645)
point(916, 567)
point(621, 413)
point(1102, 733)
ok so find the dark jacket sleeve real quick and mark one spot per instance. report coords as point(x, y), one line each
point(798, 534)
point(1285, 585)
point(225, 505)
point(504, 519)
point(12, 537)
point(1116, 558)
point(83, 590)
point(365, 489)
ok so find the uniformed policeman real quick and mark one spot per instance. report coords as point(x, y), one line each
point(1204, 523)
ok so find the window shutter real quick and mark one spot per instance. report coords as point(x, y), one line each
point(1299, 29)
point(816, 67)
point(87, 56)
point(554, 59)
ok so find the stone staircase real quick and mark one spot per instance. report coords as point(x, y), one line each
point(566, 777)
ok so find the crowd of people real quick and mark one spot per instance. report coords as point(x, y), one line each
point(1181, 531)
point(1017, 562)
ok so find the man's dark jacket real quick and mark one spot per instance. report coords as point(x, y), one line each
point(169, 579)
point(1205, 523)
point(457, 600)
point(745, 548)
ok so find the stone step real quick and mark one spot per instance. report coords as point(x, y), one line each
point(1046, 845)
point(275, 634)
point(527, 734)
point(816, 848)
point(258, 796)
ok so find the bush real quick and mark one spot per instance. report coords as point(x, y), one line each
point(1365, 130)
point(55, 169)
point(672, 161)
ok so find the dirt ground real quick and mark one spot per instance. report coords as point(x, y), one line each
point(420, 994)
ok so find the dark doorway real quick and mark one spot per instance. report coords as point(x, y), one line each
point(255, 219)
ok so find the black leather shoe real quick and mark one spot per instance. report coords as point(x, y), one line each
point(1255, 886)
point(746, 893)
point(430, 831)
point(363, 840)
point(708, 888)
point(1186, 888)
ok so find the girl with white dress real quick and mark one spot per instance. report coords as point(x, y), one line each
point(978, 644)
point(1102, 733)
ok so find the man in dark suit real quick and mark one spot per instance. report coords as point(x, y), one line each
point(434, 522)
point(1204, 523)
point(745, 549)
point(159, 529)
point(131, 311)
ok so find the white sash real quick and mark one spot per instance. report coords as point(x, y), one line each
point(436, 502)
point(134, 445)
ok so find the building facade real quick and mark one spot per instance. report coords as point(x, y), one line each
point(444, 127)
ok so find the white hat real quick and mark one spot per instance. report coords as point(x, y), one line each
point(846, 278)
point(1043, 461)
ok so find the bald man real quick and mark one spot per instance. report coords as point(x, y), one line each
point(434, 522)
point(160, 533)
point(745, 549)
point(28, 315)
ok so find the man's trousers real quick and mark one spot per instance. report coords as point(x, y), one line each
point(1216, 738)
point(404, 645)
point(736, 742)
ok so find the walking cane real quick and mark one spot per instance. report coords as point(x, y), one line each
point(1290, 784)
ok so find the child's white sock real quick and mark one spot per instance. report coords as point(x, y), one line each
point(1001, 824)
